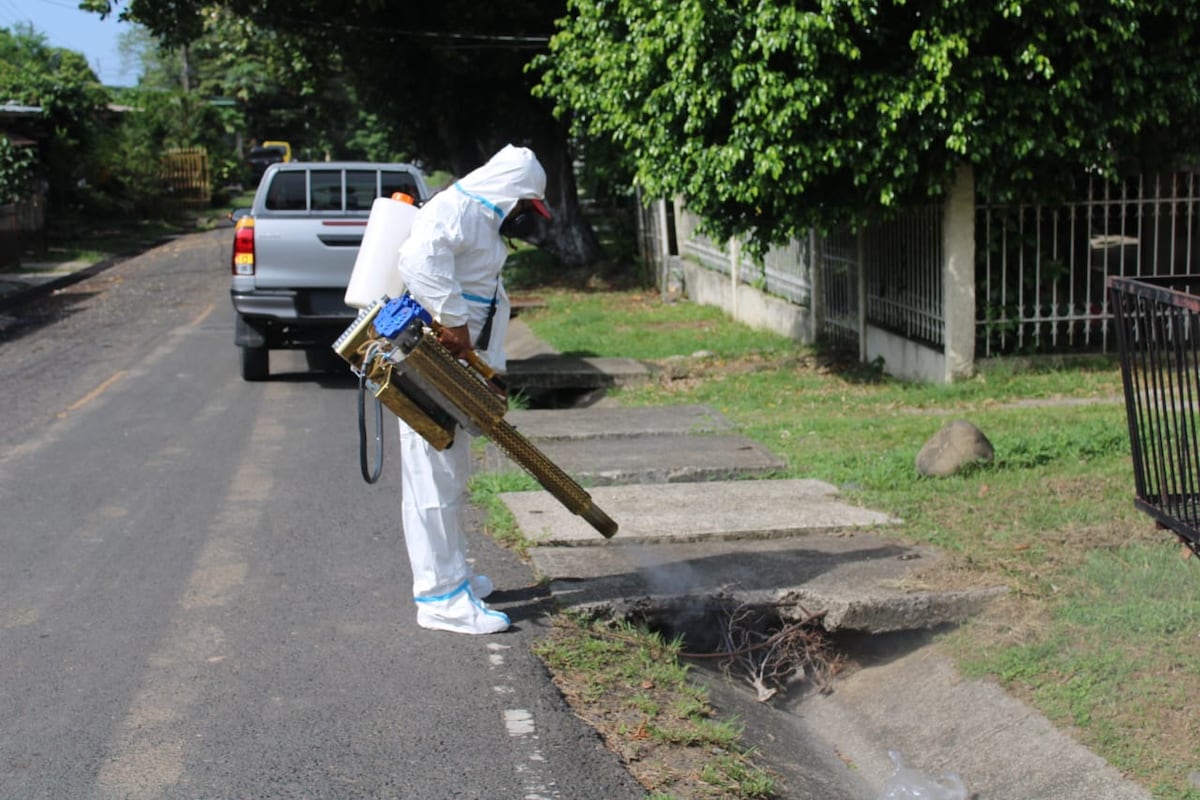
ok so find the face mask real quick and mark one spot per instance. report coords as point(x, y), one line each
point(519, 226)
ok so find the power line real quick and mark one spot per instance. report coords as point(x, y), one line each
point(13, 14)
point(457, 41)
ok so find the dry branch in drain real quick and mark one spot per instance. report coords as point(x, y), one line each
point(771, 654)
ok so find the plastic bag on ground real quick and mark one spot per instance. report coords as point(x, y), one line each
point(907, 783)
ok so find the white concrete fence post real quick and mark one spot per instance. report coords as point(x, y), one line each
point(958, 276)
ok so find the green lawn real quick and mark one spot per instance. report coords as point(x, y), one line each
point(1101, 628)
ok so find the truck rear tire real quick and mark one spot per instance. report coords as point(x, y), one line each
point(255, 363)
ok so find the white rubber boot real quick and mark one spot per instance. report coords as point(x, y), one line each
point(460, 611)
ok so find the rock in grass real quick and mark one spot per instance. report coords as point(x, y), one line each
point(957, 445)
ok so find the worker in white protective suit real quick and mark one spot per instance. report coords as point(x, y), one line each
point(451, 265)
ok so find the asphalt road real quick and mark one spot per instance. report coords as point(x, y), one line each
point(201, 598)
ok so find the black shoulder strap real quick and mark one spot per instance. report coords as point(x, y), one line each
point(485, 333)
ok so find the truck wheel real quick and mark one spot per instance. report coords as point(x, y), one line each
point(255, 363)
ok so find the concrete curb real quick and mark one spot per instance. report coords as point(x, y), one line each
point(31, 290)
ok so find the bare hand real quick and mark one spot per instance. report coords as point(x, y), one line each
point(457, 340)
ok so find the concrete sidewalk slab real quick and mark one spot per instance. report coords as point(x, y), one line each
point(651, 459)
point(857, 580)
point(551, 371)
point(603, 422)
point(791, 544)
point(690, 512)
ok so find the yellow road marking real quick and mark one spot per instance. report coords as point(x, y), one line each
point(202, 316)
point(116, 376)
point(94, 393)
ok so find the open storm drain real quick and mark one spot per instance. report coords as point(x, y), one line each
point(753, 643)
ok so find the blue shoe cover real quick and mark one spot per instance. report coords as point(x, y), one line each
point(459, 611)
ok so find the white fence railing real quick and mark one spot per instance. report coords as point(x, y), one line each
point(902, 270)
point(1041, 270)
point(1039, 276)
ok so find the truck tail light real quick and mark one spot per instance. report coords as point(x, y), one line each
point(243, 247)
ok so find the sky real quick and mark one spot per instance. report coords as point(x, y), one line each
point(64, 25)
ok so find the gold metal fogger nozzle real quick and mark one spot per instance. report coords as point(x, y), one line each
point(392, 346)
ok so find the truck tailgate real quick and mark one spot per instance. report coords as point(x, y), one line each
point(302, 252)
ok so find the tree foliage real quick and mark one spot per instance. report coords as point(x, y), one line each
point(771, 117)
point(70, 96)
point(235, 84)
point(445, 83)
point(16, 171)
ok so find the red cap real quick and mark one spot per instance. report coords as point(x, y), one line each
point(540, 207)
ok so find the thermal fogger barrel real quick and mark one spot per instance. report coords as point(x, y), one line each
point(391, 345)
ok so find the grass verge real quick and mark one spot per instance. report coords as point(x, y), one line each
point(1101, 629)
point(631, 687)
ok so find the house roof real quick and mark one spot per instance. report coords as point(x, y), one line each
point(14, 109)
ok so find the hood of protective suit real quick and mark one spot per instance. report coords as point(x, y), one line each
point(452, 259)
point(512, 174)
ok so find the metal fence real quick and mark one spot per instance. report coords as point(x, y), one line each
point(841, 321)
point(889, 274)
point(1157, 328)
point(185, 173)
point(715, 256)
point(902, 270)
point(1041, 271)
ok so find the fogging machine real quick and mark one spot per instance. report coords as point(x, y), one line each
point(392, 346)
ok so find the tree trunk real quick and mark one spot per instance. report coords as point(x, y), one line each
point(570, 236)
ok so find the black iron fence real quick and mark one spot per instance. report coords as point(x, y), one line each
point(1157, 323)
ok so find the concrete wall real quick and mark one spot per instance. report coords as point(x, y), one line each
point(747, 304)
point(904, 358)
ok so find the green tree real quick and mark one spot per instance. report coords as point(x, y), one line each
point(73, 104)
point(445, 82)
point(16, 171)
point(771, 117)
point(279, 92)
point(234, 84)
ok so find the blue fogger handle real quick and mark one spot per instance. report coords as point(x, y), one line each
point(397, 314)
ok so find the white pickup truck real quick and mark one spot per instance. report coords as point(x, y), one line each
point(294, 250)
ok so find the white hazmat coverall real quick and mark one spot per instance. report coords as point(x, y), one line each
point(451, 265)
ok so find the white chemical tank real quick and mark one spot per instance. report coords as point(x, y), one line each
point(375, 273)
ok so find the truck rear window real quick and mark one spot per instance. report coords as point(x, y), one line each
point(393, 182)
point(324, 190)
point(287, 192)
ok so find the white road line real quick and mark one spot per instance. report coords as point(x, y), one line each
point(522, 728)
